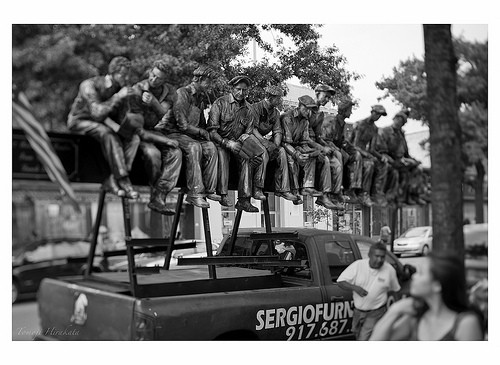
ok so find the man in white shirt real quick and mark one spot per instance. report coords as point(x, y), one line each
point(370, 280)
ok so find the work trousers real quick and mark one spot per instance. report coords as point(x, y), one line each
point(363, 322)
point(118, 152)
point(354, 162)
point(200, 161)
point(379, 177)
point(247, 175)
point(324, 179)
point(163, 165)
point(281, 175)
point(336, 171)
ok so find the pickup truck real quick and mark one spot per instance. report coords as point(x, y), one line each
point(254, 296)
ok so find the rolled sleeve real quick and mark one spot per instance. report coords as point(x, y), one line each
point(214, 116)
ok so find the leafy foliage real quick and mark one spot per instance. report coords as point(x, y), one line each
point(49, 61)
point(407, 86)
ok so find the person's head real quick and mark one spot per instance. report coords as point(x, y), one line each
point(324, 94)
point(240, 85)
point(306, 106)
point(345, 108)
point(119, 69)
point(400, 119)
point(158, 73)
point(203, 75)
point(377, 111)
point(441, 275)
point(281, 247)
point(274, 96)
point(376, 255)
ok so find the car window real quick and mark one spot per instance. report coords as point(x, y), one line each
point(416, 232)
point(339, 255)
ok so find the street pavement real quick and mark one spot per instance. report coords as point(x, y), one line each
point(25, 323)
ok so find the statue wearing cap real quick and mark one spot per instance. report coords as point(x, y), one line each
point(403, 176)
point(375, 164)
point(297, 144)
point(187, 125)
point(324, 94)
point(92, 113)
point(267, 122)
point(231, 124)
point(334, 129)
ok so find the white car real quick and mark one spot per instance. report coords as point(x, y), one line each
point(416, 240)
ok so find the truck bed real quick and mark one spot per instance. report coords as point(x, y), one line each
point(187, 281)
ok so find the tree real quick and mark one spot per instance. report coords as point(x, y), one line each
point(408, 87)
point(445, 139)
point(49, 61)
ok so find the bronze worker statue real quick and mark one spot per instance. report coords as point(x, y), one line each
point(90, 113)
point(187, 125)
point(302, 154)
point(231, 125)
point(269, 132)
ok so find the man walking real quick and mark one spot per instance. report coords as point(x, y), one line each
point(370, 280)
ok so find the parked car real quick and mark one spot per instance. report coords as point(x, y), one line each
point(48, 258)
point(416, 240)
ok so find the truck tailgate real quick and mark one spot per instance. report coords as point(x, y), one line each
point(69, 311)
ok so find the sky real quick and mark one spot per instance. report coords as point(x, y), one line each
point(374, 50)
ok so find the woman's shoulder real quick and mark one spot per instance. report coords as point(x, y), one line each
point(468, 327)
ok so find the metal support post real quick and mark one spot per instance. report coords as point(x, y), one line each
point(208, 241)
point(173, 230)
point(95, 234)
point(130, 248)
point(267, 216)
point(234, 233)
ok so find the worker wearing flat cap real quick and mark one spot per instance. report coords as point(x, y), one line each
point(297, 143)
point(324, 94)
point(403, 171)
point(268, 131)
point(187, 125)
point(231, 125)
point(375, 164)
point(334, 131)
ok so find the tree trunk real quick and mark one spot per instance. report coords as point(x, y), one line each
point(447, 172)
point(479, 193)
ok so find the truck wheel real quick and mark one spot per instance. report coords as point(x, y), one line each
point(425, 250)
point(15, 291)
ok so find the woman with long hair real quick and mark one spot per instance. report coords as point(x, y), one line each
point(437, 309)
